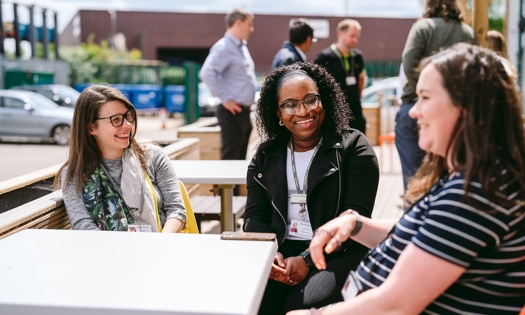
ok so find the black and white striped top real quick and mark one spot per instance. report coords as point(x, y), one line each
point(467, 230)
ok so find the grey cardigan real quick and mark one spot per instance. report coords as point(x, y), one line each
point(162, 175)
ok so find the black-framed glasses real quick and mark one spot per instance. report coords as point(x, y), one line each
point(118, 119)
point(291, 107)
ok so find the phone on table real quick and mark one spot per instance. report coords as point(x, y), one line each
point(248, 236)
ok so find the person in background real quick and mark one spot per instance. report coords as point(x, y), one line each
point(497, 43)
point(111, 182)
point(229, 73)
point(346, 64)
point(300, 41)
point(441, 26)
point(460, 248)
point(309, 168)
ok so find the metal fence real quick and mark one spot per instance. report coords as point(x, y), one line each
point(383, 68)
point(160, 75)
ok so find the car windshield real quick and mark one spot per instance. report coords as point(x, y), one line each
point(41, 101)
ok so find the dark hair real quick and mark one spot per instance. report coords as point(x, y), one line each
point(490, 137)
point(236, 14)
point(300, 30)
point(497, 43)
point(446, 9)
point(337, 112)
point(84, 154)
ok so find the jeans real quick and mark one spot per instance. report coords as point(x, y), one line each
point(407, 138)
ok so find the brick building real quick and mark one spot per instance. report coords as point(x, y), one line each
point(176, 37)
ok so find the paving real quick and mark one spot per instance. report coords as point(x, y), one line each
point(388, 201)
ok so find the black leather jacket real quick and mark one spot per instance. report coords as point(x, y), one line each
point(344, 175)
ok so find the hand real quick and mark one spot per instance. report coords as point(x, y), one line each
point(278, 271)
point(296, 269)
point(232, 106)
point(329, 237)
point(298, 312)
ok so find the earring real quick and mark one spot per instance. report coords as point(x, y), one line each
point(281, 123)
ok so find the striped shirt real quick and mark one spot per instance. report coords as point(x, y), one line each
point(468, 230)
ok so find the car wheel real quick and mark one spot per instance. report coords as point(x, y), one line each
point(61, 135)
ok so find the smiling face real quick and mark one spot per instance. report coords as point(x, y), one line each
point(305, 125)
point(112, 141)
point(435, 113)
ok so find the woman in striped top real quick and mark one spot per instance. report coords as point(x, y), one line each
point(460, 249)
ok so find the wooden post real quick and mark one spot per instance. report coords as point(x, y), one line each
point(480, 20)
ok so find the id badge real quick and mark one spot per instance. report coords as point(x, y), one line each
point(352, 287)
point(139, 228)
point(298, 198)
point(301, 229)
point(350, 80)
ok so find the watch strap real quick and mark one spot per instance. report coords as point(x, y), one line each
point(358, 221)
point(307, 259)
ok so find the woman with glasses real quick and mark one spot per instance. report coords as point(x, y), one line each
point(309, 168)
point(111, 182)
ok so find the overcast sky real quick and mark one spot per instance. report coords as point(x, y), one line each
point(67, 8)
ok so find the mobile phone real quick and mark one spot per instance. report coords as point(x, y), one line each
point(248, 236)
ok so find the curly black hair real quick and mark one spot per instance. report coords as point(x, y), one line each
point(337, 111)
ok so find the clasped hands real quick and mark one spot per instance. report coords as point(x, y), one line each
point(290, 271)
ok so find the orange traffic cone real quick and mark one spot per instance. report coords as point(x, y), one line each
point(163, 114)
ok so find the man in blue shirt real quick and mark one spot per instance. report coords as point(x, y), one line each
point(301, 40)
point(229, 73)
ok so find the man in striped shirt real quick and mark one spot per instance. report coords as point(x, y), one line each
point(460, 249)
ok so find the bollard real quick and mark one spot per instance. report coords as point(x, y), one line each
point(163, 114)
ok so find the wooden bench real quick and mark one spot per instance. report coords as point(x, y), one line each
point(209, 208)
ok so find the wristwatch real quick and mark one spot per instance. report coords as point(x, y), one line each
point(307, 259)
point(358, 221)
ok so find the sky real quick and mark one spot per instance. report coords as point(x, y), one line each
point(355, 8)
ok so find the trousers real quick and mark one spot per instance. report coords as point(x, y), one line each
point(407, 138)
point(235, 133)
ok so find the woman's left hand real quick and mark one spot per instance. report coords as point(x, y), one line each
point(296, 269)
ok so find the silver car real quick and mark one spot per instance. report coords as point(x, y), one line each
point(26, 115)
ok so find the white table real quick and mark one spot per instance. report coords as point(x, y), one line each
point(84, 272)
point(222, 174)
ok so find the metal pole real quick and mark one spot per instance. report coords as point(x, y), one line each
point(55, 35)
point(2, 31)
point(45, 40)
point(32, 31)
point(16, 29)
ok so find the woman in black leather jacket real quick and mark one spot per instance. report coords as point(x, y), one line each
point(302, 118)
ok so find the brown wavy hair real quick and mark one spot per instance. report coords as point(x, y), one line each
point(446, 9)
point(490, 137)
point(84, 154)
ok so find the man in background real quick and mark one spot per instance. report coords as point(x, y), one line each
point(229, 73)
point(300, 41)
point(346, 64)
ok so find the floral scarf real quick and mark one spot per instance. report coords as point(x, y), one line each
point(104, 204)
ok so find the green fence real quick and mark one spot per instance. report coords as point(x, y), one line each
point(383, 68)
point(160, 75)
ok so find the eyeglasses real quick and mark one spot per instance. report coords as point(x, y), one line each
point(118, 119)
point(291, 107)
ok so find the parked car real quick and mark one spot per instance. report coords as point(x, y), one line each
point(28, 115)
point(61, 94)
point(387, 90)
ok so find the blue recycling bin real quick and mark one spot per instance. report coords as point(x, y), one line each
point(146, 96)
point(174, 98)
point(128, 91)
point(80, 87)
